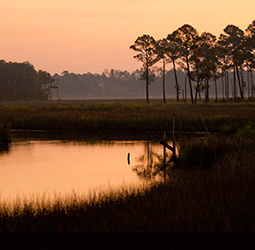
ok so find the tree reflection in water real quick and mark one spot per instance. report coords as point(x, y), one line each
point(150, 164)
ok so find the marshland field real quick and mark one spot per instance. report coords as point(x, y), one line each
point(210, 188)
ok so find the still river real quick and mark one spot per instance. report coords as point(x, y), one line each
point(32, 166)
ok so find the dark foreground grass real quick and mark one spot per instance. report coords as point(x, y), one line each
point(216, 198)
point(5, 135)
point(126, 116)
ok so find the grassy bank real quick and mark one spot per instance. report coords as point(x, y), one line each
point(215, 196)
point(211, 189)
point(5, 135)
point(126, 116)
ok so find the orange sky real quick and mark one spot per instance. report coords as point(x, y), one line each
point(90, 36)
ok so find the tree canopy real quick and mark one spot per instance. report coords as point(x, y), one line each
point(146, 47)
point(204, 57)
point(20, 81)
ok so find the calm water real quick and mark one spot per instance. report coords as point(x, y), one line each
point(53, 166)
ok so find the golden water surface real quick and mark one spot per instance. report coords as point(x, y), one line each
point(32, 167)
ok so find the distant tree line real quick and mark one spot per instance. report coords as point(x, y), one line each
point(123, 84)
point(20, 81)
point(201, 65)
point(203, 58)
point(110, 84)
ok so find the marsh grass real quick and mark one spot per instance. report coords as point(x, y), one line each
point(59, 213)
point(127, 116)
point(212, 190)
point(203, 153)
point(219, 198)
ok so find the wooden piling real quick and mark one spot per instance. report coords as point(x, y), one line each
point(128, 158)
point(165, 145)
point(164, 156)
point(174, 154)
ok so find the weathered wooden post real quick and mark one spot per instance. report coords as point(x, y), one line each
point(128, 158)
point(164, 152)
point(164, 143)
point(174, 155)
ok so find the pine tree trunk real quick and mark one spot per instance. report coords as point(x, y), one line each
point(239, 82)
point(176, 82)
point(234, 87)
point(147, 83)
point(164, 90)
point(190, 86)
point(248, 81)
point(252, 86)
point(222, 86)
point(185, 89)
point(227, 85)
point(197, 87)
point(207, 90)
point(216, 92)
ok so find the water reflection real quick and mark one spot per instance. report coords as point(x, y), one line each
point(150, 163)
point(34, 166)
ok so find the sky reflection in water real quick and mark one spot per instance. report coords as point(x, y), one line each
point(53, 166)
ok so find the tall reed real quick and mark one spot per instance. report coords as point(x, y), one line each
point(227, 118)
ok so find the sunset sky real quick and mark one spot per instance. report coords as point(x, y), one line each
point(90, 36)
